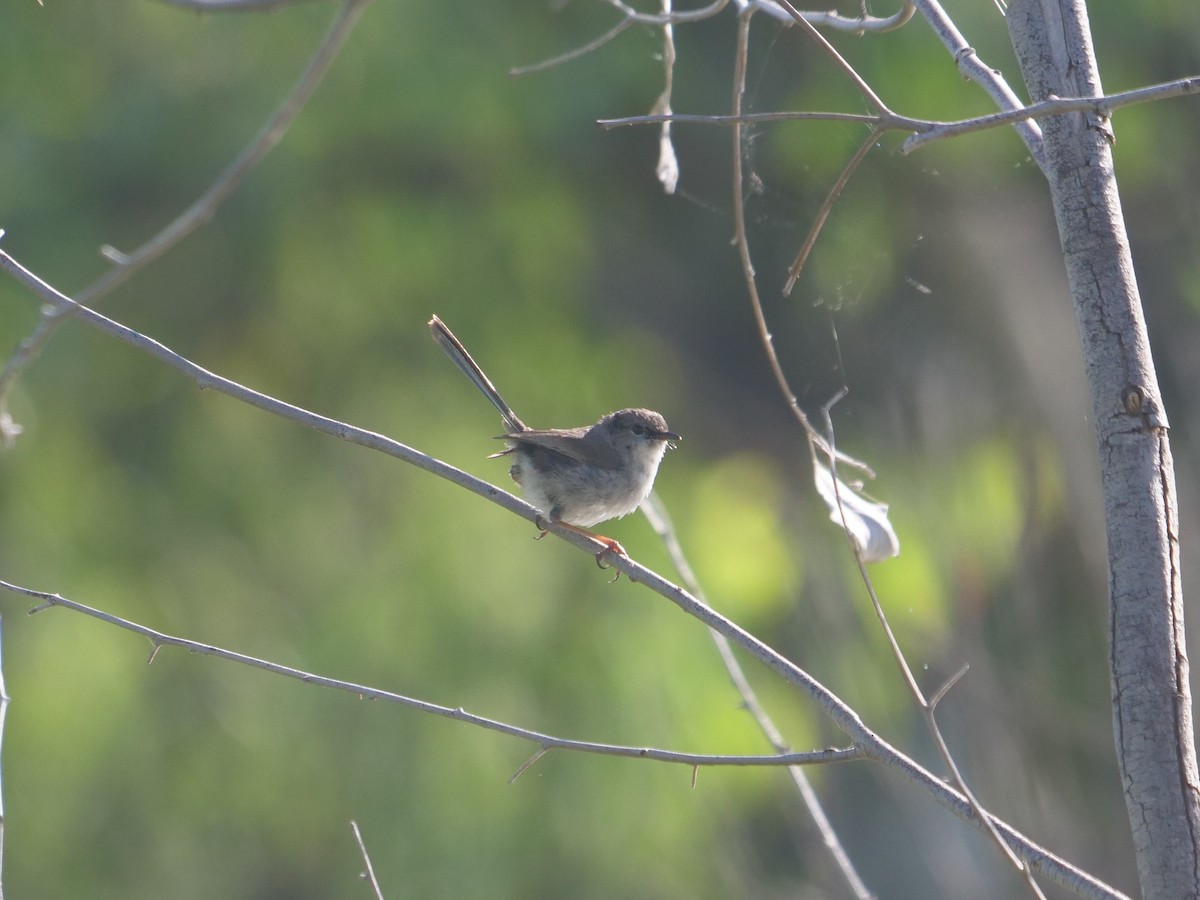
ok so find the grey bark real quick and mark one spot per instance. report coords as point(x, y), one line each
point(1151, 699)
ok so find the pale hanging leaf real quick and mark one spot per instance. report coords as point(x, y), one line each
point(667, 169)
point(668, 166)
point(865, 520)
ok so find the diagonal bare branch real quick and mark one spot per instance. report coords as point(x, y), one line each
point(546, 742)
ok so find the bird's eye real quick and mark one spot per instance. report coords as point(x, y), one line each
point(639, 429)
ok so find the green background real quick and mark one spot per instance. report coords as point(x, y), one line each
point(421, 178)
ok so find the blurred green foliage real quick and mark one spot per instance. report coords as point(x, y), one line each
point(421, 178)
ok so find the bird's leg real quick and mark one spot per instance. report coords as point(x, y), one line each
point(610, 545)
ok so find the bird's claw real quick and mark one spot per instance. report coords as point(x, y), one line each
point(611, 548)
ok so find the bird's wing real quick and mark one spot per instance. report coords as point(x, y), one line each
point(566, 442)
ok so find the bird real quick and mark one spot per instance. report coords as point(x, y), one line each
point(576, 477)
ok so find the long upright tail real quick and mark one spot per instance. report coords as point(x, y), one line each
point(458, 353)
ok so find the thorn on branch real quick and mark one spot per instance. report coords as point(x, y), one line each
point(114, 256)
point(945, 688)
point(542, 751)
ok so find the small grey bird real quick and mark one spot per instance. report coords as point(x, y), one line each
point(578, 477)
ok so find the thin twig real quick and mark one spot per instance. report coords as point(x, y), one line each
point(886, 119)
point(629, 16)
point(940, 694)
point(544, 741)
point(199, 213)
point(369, 874)
point(831, 198)
point(741, 240)
point(873, 99)
point(568, 56)
point(900, 123)
point(521, 769)
point(867, 742)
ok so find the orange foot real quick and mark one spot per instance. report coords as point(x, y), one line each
point(611, 547)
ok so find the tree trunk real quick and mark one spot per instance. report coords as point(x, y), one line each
point(1152, 717)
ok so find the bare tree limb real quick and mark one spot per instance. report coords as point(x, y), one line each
point(545, 742)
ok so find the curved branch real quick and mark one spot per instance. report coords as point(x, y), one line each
point(159, 639)
point(584, 50)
